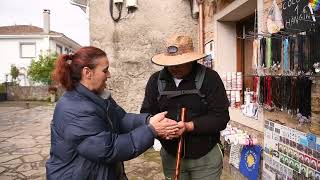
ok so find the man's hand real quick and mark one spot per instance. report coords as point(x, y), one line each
point(182, 128)
point(185, 127)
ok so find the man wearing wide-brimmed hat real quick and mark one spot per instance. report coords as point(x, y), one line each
point(185, 83)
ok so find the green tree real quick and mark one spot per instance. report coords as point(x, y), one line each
point(40, 69)
point(14, 72)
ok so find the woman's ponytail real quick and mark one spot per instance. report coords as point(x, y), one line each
point(62, 72)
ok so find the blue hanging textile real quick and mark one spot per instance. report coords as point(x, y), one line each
point(286, 65)
point(250, 161)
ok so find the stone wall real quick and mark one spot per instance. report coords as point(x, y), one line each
point(30, 93)
point(132, 42)
point(211, 7)
point(315, 107)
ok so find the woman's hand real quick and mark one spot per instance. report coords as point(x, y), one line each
point(165, 127)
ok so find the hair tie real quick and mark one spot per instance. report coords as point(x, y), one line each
point(69, 58)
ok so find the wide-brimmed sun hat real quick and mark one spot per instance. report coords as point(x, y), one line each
point(179, 50)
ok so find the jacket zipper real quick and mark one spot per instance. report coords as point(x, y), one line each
point(108, 118)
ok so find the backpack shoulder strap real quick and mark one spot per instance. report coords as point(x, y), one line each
point(161, 84)
point(170, 94)
point(201, 71)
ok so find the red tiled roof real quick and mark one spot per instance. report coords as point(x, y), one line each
point(23, 30)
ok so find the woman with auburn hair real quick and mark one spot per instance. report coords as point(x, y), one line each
point(91, 135)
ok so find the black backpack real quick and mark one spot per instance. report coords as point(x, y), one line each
point(201, 71)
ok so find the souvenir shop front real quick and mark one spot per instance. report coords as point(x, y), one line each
point(273, 85)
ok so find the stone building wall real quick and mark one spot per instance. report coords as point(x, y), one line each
point(132, 42)
point(211, 7)
point(315, 107)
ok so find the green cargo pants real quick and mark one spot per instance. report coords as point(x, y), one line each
point(208, 167)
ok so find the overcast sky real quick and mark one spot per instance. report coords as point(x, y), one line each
point(64, 17)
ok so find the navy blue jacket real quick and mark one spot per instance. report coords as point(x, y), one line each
point(91, 136)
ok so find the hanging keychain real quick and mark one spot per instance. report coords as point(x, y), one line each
point(314, 5)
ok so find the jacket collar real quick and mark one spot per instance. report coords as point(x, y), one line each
point(81, 89)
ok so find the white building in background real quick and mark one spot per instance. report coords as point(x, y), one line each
point(19, 44)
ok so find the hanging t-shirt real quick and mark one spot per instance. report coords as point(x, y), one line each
point(268, 52)
point(255, 46)
point(250, 161)
point(262, 57)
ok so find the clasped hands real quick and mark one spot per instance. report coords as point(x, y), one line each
point(167, 128)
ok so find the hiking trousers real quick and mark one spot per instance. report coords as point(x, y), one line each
point(207, 167)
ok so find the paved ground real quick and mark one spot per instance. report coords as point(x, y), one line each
point(25, 145)
point(24, 141)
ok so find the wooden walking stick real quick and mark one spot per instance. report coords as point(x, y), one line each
point(183, 113)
